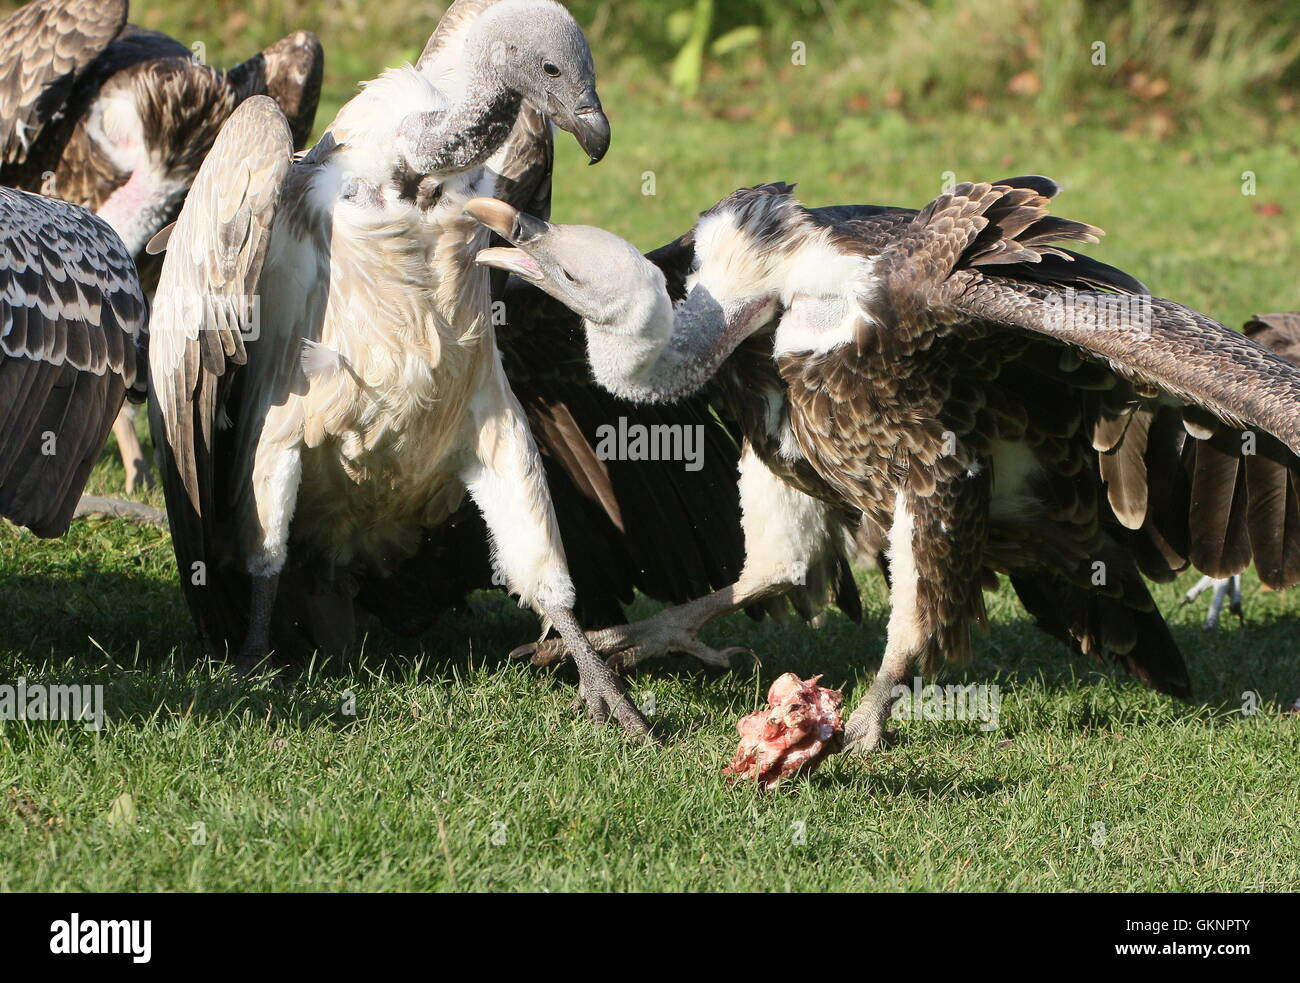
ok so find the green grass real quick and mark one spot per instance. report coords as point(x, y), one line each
point(452, 748)
point(460, 771)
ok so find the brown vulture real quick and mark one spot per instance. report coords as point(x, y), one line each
point(991, 401)
point(104, 114)
point(71, 313)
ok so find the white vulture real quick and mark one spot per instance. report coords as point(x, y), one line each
point(968, 385)
point(309, 444)
point(71, 313)
point(799, 541)
point(104, 114)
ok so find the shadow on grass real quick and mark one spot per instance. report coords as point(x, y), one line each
point(147, 654)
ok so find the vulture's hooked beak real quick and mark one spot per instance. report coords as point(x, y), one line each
point(588, 123)
point(515, 227)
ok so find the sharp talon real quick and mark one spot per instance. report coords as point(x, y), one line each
point(858, 749)
point(737, 651)
point(544, 653)
point(250, 669)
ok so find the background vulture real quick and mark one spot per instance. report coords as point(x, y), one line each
point(71, 312)
point(952, 374)
point(306, 462)
point(1258, 501)
point(115, 118)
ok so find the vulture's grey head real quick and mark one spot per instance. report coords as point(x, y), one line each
point(594, 273)
point(536, 49)
point(736, 284)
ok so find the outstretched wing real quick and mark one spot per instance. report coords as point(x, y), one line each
point(200, 326)
point(1157, 344)
point(1183, 373)
point(1218, 502)
point(44, 48)
point(71, 312)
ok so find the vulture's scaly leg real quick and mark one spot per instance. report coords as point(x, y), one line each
point(906, 637)
point(1226, 589)
point(1216, 601)
point(277, 474)
point(506, 479)
point(791, 541)
point(255, 654)
point(597, 684)
point(672, 631)
point(137, 470)
point(936, 556)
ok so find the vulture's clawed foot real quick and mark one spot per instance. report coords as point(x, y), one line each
point(604, 697)
point(138, 476)
point(598, 686)
point(865, 731)
point(252, 666)
point(627, 646)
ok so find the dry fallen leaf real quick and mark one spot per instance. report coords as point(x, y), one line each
point(121, 813)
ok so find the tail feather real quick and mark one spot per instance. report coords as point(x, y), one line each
point(1135, 636)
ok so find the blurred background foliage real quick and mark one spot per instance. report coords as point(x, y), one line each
point(1163, 63)
point(1171, 123)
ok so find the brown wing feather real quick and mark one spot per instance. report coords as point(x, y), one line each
point(71, 313)
point(1273, 513)
point(1158, 344)
point(44, 48)
point(290, 72)
point(1221, 545)
point(1277, 332)
point(215, 256)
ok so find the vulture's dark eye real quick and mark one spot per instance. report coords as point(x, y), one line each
point(569, 276)
point(551, 69)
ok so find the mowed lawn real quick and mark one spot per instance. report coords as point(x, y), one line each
point(462, 771)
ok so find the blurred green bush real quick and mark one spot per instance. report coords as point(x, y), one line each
point(1156, 62)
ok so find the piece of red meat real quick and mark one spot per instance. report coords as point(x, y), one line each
point(799, 729)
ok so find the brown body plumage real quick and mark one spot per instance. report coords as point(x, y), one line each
point(956, 376)
point(71, 312)
point(79, 79)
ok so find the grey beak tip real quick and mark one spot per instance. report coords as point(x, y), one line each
point(591, 127)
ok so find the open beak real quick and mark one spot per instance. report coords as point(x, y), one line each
point(512, 225)
point(511, 260)
point(515, 227)
point(588, 123)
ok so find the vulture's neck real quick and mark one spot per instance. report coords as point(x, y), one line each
point(660, 352)
point(484, 107)
point(474, 127)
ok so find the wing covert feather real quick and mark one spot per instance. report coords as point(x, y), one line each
point(44, 48)
point(210, 278)
point(71, 315)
